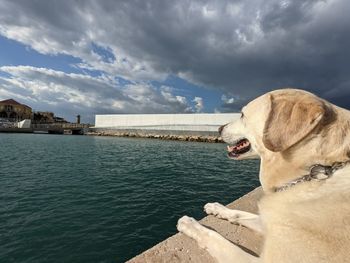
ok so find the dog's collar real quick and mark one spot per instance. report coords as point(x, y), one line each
point(318, 172)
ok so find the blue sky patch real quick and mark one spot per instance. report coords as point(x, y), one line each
point(105, 53)
point(17, 54)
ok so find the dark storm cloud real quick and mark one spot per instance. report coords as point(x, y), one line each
point(243, 48)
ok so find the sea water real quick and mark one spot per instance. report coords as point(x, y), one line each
point(106, 199)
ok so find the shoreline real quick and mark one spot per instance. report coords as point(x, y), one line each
point(132, 134)
point(159, 136)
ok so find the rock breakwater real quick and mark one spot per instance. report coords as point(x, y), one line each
point(169, 136)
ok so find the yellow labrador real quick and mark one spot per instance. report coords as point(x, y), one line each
point(304, 146)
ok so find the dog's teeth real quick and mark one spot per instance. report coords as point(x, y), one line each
point(230, 148)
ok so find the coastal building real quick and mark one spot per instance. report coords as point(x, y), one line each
point(11, 109)
point(17, 117)
point(46, 117)
point(205, 122)
point(43, 117)
point(189, 127)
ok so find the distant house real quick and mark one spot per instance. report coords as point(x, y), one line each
point(43, 117)
point(11, 109)
point(46, 117)
point(59, 120)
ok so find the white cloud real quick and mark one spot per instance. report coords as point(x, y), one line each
point(198, 104)
point(71, 94)
point(74, 34)
point(227, 100)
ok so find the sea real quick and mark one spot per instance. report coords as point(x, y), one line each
point(67, 198)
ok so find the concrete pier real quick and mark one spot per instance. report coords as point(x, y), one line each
point(180, 248)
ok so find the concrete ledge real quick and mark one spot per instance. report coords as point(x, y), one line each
point(180, 248)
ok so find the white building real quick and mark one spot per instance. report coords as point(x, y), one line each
point(185, 123)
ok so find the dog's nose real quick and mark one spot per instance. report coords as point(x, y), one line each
point(221, 128)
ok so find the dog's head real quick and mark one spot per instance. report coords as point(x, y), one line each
point(286, 128)
point(273, 122)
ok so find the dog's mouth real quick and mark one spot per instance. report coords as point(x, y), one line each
point(240, 147)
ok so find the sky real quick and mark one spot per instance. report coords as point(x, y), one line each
point(159, 56)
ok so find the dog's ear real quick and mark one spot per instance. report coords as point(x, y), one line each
point(291, 118)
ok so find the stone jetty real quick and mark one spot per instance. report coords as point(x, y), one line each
point(168, 136)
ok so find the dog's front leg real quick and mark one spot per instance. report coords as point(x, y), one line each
point(217, 246)
point(246, 219)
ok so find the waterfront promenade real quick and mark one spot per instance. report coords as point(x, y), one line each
point(55, 128)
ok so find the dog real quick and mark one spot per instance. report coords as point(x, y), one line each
point(303, 142)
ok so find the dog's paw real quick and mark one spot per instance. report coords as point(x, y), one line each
point(214, 209)
point(191, 228)
point(186, 224)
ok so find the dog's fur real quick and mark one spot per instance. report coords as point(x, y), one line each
point(290, 130)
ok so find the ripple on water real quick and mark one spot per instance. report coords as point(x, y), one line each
point(95, 199)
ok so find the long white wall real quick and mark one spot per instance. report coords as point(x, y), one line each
point(186, 122)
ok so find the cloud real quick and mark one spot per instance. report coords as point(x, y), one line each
point(198, 104)
point(71, 94)
point(231, 104)
point(227, 100)
point(242, 48)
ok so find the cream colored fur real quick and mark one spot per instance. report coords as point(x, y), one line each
point(290, 130)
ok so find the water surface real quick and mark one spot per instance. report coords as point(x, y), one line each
point(105, 199)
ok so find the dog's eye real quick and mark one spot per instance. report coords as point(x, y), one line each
point(242, 115)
